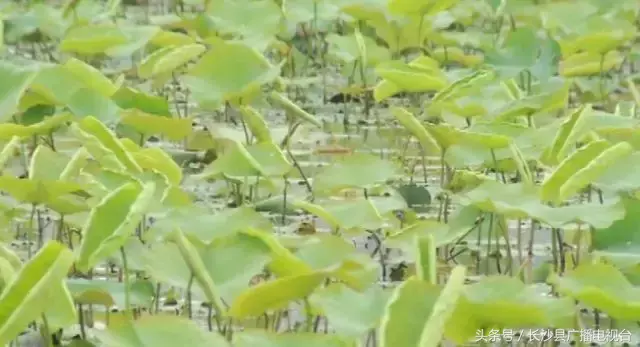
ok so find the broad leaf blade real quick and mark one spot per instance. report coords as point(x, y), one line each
point(26, 297)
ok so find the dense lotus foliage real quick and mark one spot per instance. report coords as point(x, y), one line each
point(395, 173)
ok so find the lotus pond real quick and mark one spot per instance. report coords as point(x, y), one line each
point(396, 173)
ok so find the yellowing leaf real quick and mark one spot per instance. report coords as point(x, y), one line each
point(256, 124)
point(419, 7)
point(165, 38)
point(284, 262)
point(415, 128)
point(167, 59)
point(8, 151)
point(92, 39)
point(112, 221)
point(411, 78)
point(198, 269)
point(293, 109)
point(589, 64)
point(173, 128)
point(103, 144)
point(274, 294)
point(263, 159)
point(583, 167)
point(11, 257)
point(156, 159)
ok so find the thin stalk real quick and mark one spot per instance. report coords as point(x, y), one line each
point(125, 270)
point(505, 233)
point(601, 76)
point(284, 201)
point(554, 251)
point(487, 266)
point(83, 332)
point(46, 332)
point(307, 184)
point(209, 317)
point(189, 301)
point(157, 299)
point(580, 236)
point(563, 262)
point(478, 241)
point(309, 315)
point(424, 165)
point(530, 252)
